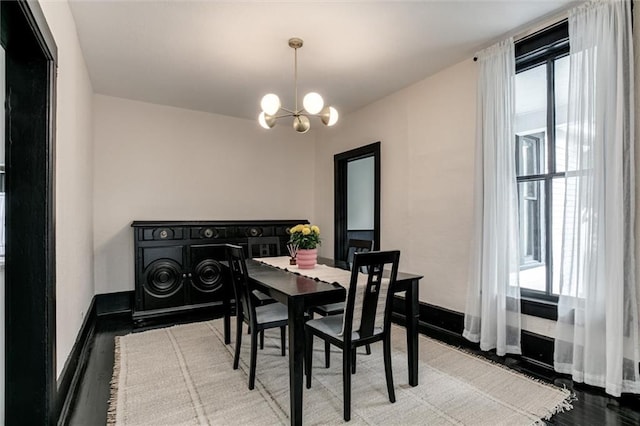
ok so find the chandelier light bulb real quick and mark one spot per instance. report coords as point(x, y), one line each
point(266, 121)
point(301, 124)
point(313, 103)
point(270, 104)
point(329, 116)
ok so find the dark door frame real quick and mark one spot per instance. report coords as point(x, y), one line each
point(30, 270)
point(340, 162)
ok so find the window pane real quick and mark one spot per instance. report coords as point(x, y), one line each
point(531, 121)
point(529, 154)
point(557, 213)
point(533, 270)
point(561, 84)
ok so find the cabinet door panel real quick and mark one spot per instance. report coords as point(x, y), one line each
point(162, 278)
point(207, 280)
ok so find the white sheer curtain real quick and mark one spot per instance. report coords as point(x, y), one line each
point(492, 314)
point(597, 328)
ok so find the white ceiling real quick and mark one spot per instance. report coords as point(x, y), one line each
point(223, 56)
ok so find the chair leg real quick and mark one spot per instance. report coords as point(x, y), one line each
point(368, 348)
point(353, 361)
point(327, 354)
point(254, 354)
point(236, 356)
point(308, 355)
point(283, 340)
point(387, 367)
point(262, 339)
point(346, 382)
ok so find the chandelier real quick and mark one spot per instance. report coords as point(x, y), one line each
point(313, 104)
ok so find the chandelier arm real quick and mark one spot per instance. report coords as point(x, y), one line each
point(289, 111)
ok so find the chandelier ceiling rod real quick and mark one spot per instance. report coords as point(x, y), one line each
point(295, 70)
point(313, 104)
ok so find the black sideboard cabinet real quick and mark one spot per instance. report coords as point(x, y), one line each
point(177, 263)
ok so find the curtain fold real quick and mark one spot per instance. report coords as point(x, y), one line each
point(492, 313)
point(597, 328)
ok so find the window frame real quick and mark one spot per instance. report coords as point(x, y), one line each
point(544, 47)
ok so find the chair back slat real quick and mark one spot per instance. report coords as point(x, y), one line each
point(368, 299)
point(357, 246)
point(266, 246)
point(239, 279)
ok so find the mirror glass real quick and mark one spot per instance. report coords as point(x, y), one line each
point(360, 198)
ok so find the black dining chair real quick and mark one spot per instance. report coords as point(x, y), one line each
point(366, 319)
point(266, 247)
point(262, 247)
point(357, 246)
point(259, 318)
point(354, 246)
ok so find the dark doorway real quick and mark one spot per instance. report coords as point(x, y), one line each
point(361, 192)
point(30, 310)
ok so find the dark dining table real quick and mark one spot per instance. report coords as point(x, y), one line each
point(300, 293)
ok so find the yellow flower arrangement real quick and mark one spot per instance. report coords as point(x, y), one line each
point(305, 236)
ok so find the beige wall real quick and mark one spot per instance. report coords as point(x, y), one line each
point(636, 64)
point(157, 162)
point(74, 182)
point(427, 141)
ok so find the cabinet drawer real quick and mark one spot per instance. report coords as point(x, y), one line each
point(162, 233)
point(208, 232)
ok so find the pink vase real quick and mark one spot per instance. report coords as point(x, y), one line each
point(306, 258)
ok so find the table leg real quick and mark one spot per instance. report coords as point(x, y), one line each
point(227, 321)
point(227, 328)
point(296, 354)
point(412, 314)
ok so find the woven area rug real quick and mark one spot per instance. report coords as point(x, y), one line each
point(183, 375)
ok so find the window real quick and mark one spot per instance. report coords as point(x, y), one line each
point(542, 77)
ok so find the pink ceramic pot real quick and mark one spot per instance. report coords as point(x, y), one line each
point(306, 258)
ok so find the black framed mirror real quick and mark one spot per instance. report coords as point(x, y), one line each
point(356, 197)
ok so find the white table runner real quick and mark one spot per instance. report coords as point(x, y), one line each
point(324, 273)
point(330, 274)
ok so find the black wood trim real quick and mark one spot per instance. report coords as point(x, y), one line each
point(537, 349)
point(30, 364)
point(114, 303)
point(535, 49)
point(339, 208)
point(73, 371)
point(340, 195)
point(40, 28)
point(448, 325)
point(377, 190)
point(539, 308)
